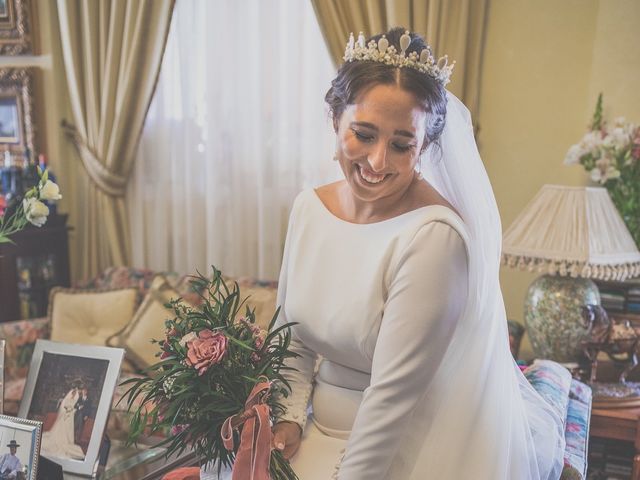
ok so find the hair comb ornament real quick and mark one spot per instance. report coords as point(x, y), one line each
point(382, 52)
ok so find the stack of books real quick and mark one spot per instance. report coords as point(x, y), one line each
point(610, 460)
point(633, 299)
point(621, 299)
point(613, 300)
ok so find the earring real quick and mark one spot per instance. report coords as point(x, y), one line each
point(335, 157)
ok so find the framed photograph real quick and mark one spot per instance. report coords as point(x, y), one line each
point(15, 27)
point(70, 389)
point(19, 448)
point(16, 113)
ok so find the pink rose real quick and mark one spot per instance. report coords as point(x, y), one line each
point(206, 350)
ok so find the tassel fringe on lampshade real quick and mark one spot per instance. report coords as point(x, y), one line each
point(572, 231)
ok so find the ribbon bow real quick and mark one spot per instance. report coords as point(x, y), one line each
point(254, 452)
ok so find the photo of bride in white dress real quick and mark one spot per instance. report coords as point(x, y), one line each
point(65, 399)
point(60, 440)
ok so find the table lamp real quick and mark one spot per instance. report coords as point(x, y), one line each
point(571, 235)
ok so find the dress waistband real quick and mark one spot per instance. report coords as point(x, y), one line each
point(337, 397)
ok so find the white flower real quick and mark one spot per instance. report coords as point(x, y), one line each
point(619, 121)
point(35, 211)
point(591, 141)
point(50, 191)
point(619, 138)
point(188, 338)
point(573, 155)
point(604, 171)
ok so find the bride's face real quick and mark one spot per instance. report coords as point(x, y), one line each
point(379, 139)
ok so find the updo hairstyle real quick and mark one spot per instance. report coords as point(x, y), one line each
point(355, 77)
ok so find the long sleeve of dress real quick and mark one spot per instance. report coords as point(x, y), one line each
point(301, 378)
point(426, 296)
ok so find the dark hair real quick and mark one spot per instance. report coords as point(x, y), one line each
point(355, 77)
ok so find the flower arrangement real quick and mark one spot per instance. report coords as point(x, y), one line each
point(32, 209)
point(218, 380)
point(611, 155)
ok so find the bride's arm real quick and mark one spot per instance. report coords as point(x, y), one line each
point(426, 298)
point(301, 378)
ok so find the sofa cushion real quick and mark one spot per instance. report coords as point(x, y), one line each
point(577, 427)
point(553, 382)
point(89, 317)
point(260, 296)
point(147, 324)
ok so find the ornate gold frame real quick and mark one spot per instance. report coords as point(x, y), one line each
point(15, 27)
point(16, 84)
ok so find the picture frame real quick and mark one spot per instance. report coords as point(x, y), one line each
point(18, 435)
point(17, 129)
point(70, 389)
point(15, 28)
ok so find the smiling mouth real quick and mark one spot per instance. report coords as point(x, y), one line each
point(370, 177)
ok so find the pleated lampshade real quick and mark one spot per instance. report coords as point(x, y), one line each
point(572, 231)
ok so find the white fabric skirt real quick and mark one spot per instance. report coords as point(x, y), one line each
point(328, 427)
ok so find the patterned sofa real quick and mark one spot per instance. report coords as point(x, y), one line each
point(572, 399)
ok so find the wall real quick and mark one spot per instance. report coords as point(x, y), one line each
point(545, 63)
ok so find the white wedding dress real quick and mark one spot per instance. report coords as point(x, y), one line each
point(402, 336)
point(338, 280)
point(59, 441)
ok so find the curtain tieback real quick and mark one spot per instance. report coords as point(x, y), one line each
point(107, 181)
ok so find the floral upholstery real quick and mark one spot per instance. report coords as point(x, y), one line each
point(572, 400)
point(141, 278)
point(553, 382)
point(21, 337)
point(577, 428)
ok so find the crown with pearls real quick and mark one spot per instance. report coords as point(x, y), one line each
point(439, 70)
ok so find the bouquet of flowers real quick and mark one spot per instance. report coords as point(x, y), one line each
point(611, 155)
point(217, 385)
point(32, 208)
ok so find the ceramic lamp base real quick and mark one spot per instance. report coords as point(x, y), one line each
point(554, 319)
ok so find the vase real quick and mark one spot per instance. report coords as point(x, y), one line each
point(554, 317)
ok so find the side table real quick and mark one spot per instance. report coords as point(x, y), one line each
point(619, 424)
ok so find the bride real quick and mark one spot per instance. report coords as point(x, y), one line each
point(392, 277)
point(59, 441)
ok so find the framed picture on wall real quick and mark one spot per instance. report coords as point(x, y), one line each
point(16, 114)
point(19, 447)
point(15, 27)
point(70, 389)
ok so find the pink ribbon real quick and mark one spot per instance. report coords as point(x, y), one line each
point(254, 452)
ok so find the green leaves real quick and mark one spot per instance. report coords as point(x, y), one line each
point(175, 397)
point(596, 121)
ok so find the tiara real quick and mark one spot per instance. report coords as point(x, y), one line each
point(381, 52)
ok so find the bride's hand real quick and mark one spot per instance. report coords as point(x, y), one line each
point(286, 438)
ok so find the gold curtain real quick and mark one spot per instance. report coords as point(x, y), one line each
point(112, 52)
point(454, 27)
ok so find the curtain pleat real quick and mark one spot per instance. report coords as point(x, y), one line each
point(112, 53)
